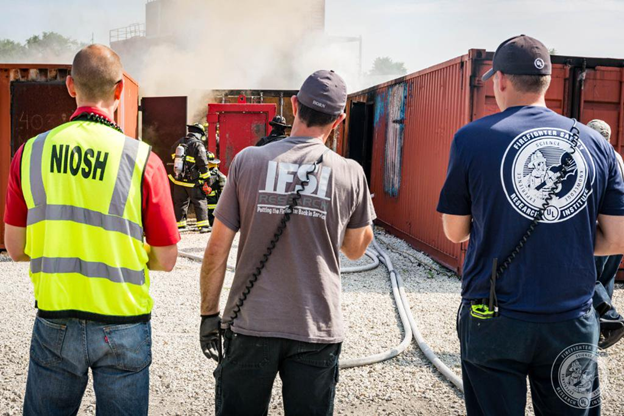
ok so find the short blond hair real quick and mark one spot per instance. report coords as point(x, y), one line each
point(96, 71)
point(530, 84)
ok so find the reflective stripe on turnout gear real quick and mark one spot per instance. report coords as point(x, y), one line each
point(88, 269)
point(182, 223)
point(185, 184)
point(212, 206)
point(202, 223)
point(190, 159)
point(204, 175)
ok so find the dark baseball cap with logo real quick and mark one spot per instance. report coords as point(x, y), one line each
point(520, 55)
point(324, 91)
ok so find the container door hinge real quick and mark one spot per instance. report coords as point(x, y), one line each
point(476, 81)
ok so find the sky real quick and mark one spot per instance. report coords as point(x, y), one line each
point(418, 32)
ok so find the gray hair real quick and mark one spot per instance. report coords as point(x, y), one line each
point(601, 127)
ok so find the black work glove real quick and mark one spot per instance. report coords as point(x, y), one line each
point(209, 336)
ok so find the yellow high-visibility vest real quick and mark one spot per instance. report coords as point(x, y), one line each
point(82, 185)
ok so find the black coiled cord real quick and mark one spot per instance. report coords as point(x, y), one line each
point(498, 271)
point(276, 237)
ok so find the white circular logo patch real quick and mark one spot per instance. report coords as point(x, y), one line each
point(573, 376)
point(539, 63)
point(530, 168)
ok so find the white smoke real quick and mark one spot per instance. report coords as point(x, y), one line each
point(243, 44)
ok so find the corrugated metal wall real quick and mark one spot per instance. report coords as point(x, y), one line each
point(415, 119)
point(411, 142)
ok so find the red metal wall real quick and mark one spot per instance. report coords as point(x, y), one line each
point(163, 124)
point(602, 97)
point(237, 126)
point(436, 105)
point(34, 99)
point(127, 113)
point(438, 102)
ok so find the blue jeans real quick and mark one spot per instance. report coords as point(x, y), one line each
point(63, 350)
point(499, 354)
point(606, 270)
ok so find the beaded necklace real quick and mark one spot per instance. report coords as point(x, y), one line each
point(96, 118)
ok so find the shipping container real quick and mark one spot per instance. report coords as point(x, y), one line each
point(281, 99)
point(232, 127)
point(401, 132)
point(34, 99)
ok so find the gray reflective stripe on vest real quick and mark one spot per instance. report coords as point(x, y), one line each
point(124, 177)
point(84, 216)
point(87, 269)
point(36, 180)
point(112, 222)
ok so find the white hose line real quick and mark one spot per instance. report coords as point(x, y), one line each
point(424, 347)
point(375, 358)
point(370, 266)
point(407, 339)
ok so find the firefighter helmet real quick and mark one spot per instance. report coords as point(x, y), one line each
point(197, 128)
point(279, 121)
point(212, 159)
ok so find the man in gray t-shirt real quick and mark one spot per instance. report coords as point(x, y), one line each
point(289, 320)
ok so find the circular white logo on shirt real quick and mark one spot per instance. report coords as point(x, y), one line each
point(530, 173)
point(573, 374)
point(539, 63)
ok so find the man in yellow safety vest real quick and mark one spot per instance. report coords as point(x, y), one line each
point(80, 200)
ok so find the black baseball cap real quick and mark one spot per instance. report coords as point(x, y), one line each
point(324, 91)
point(520, 55)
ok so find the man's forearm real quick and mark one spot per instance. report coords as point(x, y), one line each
point(603, 246)
point(211, 281)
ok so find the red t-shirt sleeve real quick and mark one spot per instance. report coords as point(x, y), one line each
point(15, 209)
point(159, 221)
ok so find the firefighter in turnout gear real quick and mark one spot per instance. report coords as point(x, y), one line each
point(278, 131)
point(190, 171)
point(214, 185)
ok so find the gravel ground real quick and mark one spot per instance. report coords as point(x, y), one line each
point(181, 378)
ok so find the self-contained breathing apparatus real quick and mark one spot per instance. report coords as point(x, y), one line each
point(179, 162)
point(488, 308)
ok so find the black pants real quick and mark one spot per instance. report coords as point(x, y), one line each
point(606, 269)
point(559, 358)
point(181, 198)
point(212, 205)
point(245, 376)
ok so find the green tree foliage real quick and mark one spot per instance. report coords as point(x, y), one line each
point(49, 47)
point(386, 66)
point(10, 50)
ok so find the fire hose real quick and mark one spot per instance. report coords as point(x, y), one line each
point(378, 255)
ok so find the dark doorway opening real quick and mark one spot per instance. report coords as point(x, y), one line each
point(361, 128)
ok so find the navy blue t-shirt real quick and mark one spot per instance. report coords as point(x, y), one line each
point(501, 169)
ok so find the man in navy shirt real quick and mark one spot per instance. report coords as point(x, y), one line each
point(528, 165)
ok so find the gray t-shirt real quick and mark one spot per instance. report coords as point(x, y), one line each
point(298, 293)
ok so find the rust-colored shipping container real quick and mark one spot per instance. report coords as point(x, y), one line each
point(401, 133)
point(34, 99)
